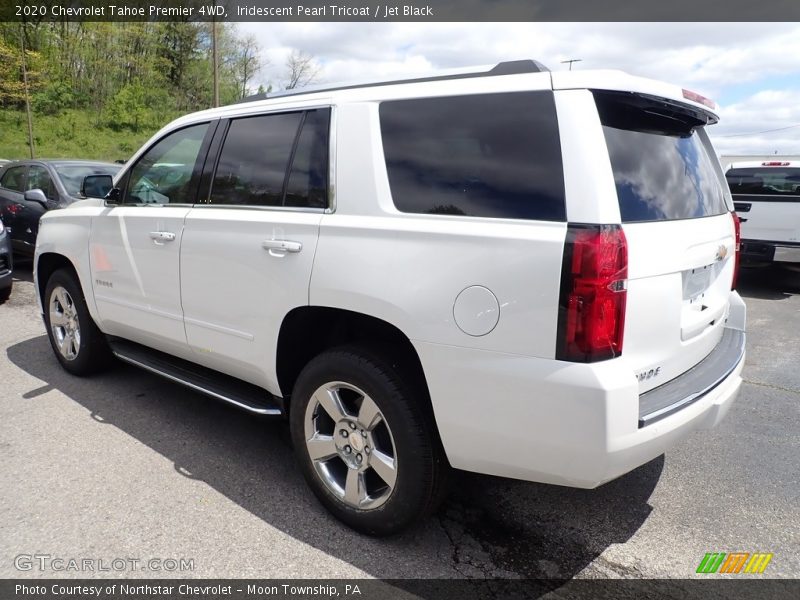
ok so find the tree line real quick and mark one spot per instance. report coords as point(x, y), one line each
point(131, 75)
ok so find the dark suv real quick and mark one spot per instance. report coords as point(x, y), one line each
point(6, 264)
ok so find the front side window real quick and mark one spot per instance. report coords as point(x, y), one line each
point(39, 179)
point(163, 175)
point(489, 155)
point(13, 178)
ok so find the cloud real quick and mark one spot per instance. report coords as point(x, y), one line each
point(715, 59)
point(775, 112)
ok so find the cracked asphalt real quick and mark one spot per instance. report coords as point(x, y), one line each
point(127, 465)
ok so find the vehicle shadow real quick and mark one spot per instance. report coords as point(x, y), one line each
point(768, 283)
point(23, 269)
point(489, 527)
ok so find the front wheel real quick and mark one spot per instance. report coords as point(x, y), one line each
point(366, 446)
point(79, 345)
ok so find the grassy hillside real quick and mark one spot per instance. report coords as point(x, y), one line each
point(72, 134)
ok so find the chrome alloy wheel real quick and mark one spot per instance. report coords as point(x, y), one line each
point(350, 445)
point(64, 323)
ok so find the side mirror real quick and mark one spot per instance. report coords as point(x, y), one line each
point(113, 196)
point(96, 186)
point(36, 195)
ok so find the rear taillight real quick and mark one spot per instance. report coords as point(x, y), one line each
point(594, 275)
point(737, 234)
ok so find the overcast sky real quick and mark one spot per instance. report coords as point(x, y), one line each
point(752, 70)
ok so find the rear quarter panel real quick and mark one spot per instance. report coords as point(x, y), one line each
point(408, 269)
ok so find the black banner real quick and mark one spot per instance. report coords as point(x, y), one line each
point(718, 588)
point(401, 10)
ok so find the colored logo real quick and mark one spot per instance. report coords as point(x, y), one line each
point(735, 562)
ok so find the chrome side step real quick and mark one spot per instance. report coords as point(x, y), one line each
point(207, 381)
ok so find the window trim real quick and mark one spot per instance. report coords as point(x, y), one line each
point(212, 161)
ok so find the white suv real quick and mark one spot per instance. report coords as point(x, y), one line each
point(509, 271)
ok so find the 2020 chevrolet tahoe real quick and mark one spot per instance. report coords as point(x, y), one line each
point(508, 271)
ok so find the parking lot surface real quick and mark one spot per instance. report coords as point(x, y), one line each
point(128, 465)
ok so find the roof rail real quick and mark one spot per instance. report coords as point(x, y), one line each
point(511, 67)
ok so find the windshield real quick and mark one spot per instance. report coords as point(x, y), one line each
point(72, 175)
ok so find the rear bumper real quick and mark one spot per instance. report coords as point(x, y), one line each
point(562, 423)
point(760, 251)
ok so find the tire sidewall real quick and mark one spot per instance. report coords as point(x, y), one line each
point(413, 450)
point(81, 363)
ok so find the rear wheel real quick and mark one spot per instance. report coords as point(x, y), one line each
point(79, 345)
point(367, 448)
point(5, 293)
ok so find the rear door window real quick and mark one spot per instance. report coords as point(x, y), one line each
point(769, 181)
point(274, 160)
point(14, 178)
point(488, 155)
point(662, 170)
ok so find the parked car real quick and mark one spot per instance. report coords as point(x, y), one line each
point(508, 271)
point(766, 195)
point(6, 264)
point(29, 188)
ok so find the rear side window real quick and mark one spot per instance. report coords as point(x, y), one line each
point(662, 170)
point(13, 178)
point(489, 155)
point(274, 160)
point(764, 181)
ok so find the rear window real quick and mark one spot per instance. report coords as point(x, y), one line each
point(490, 155)
point(661, 168)
point(765, 181)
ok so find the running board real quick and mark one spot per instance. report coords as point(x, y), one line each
point(244, 395)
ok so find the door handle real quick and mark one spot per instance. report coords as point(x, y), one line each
point(277, 247)
point(162, 236)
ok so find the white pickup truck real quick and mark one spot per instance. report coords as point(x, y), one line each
point(766, 195)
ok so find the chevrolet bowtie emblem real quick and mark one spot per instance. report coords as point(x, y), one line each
point(722, 252)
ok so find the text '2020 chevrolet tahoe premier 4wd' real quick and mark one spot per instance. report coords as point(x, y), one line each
point(512, 271)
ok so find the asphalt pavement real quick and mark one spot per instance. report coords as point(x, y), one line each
point(126, 465)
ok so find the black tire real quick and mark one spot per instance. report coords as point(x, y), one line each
point(422, 468)
point(5, 293)
point(93, 354)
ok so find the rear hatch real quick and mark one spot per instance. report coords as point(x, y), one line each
point(767, 199)
point(679, 231)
